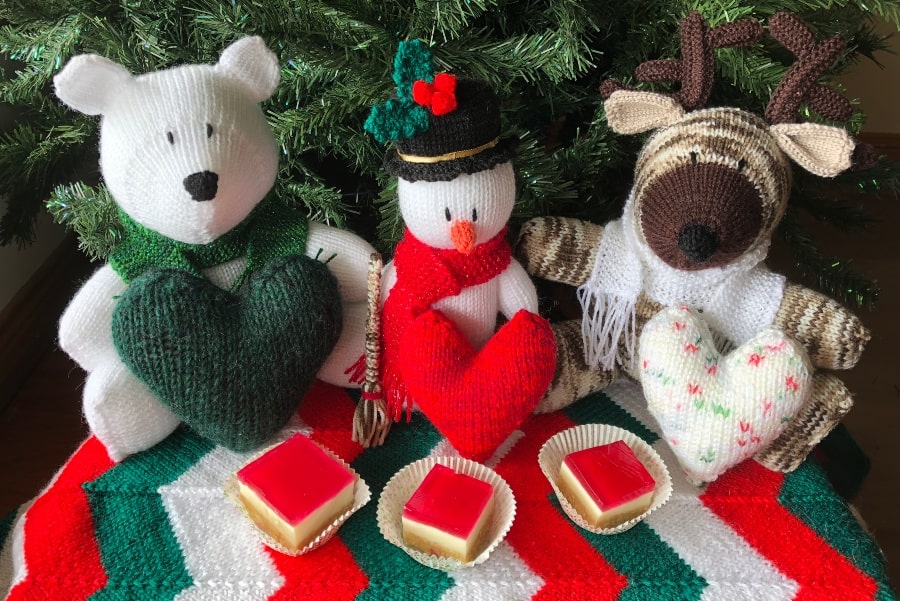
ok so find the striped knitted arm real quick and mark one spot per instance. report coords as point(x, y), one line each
point(559, 249)
point(827, 404)
point(574, 379)
point(833, 336)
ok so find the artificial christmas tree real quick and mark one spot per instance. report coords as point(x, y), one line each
point(544, 58)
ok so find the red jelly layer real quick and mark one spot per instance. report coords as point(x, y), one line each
point(611, 474)
point(449, 501)
point(295, 478)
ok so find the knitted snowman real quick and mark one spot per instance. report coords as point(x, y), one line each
point(452, 272)
point(710, 187)
point(220, 305)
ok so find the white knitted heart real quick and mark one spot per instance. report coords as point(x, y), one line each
point(716, 411)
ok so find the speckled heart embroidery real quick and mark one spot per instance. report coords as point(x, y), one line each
point(716, 411)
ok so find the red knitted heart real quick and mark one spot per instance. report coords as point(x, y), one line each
point(440, 96)
point(478, 398)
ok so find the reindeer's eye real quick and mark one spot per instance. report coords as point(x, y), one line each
point(170, 137)
point(741, 165)
point(447, 213)
point(209, 130)
point(693, 158)
point(474, 214)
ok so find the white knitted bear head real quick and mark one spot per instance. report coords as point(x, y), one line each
point(461, 213)
point(185, 152)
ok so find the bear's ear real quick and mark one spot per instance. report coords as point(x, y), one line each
point(251, 62)
point(88, 82)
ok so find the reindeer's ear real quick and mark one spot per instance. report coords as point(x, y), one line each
point(824, 150)
point(634, 111)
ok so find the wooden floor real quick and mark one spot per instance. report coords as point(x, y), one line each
point(43, 425)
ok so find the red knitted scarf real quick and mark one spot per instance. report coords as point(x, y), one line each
point(425, 275)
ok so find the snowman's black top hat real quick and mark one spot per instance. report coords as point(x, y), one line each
point(465, 140)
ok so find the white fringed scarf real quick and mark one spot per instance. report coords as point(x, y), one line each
point(737, 300)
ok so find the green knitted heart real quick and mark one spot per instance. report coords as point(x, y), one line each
point(231, 366)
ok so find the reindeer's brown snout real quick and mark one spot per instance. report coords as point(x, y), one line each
point(697, 216)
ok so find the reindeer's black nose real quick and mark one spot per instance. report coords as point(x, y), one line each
point(698, 242)
point(202, 185)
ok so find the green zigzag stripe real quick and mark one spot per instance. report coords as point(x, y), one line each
point(381, 561)
point(137, 546)
point(830, 519)
point(654, 570)
point(598, 408)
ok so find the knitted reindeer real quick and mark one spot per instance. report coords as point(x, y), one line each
point(710, 186)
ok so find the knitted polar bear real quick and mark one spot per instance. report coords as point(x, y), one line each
point(189, 157)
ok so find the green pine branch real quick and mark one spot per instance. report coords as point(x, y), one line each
point(833, 276)
point(545, 59)
point(91, 213)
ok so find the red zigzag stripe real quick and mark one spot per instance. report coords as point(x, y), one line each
point(543, 537)
point(780, 536)
point(58, 526)
point(330, 572)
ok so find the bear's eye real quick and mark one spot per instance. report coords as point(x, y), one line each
point(447, 213)
point(741, 165)
point(209, 130)
point(693, 158)
point(170, 137)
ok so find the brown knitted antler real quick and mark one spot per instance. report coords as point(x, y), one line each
point(800, 83)
point(696, 69)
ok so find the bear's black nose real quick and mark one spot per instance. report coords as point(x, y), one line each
point(202, 185)
point(698, 242)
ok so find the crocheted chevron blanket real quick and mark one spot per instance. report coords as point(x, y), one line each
point(157, 526)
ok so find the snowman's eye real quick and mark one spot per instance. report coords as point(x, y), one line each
point(474, 214)
point(447, 213)
point(209, 130)
point(170, 137)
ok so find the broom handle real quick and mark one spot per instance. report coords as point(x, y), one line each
point(370, 422)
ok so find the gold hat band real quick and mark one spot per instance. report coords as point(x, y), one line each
point(450, 156)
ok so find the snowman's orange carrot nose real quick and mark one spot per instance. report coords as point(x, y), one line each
point(462, 233)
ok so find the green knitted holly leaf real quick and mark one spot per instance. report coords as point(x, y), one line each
point(396, 119)
point(412, 63)
point(400, 117)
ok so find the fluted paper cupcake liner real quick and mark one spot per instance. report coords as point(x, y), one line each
point(361, 496)
point(578, 438)
point(403, 484)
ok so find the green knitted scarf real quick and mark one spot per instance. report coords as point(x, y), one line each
point(271, 230)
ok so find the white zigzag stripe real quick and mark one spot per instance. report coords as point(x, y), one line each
point(628, 396)
point(221, 552)
point(444, 449)
point(732, 568)
point(503, 577)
